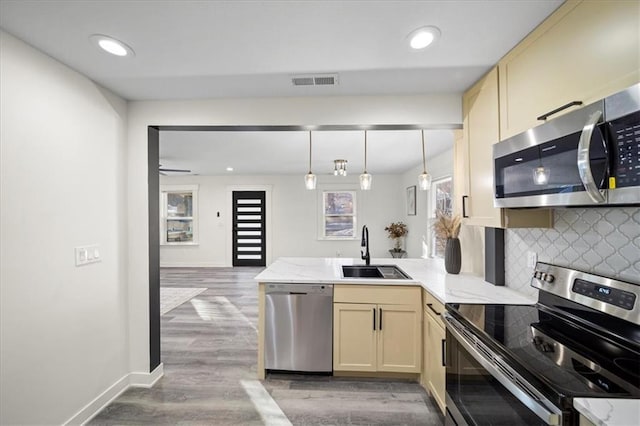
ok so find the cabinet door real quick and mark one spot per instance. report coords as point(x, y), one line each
point(354, 337)
point(436, 371)
point(481, 131)
point(474, 163)
point(583, 52)
point(424, 376)
point(399, 338)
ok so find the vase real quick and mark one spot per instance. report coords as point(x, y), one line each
point(398, 254)
point(452, 256)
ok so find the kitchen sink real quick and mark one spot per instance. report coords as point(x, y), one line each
point(384, 272)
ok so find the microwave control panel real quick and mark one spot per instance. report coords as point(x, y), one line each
point(627, 155)
point(620, 298)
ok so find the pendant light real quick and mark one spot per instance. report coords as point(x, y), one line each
point(310, 178)
point(365, 178)
point(424, 180)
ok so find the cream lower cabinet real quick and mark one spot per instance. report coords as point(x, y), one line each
point(355, 341)
point(399, 338)
point(377, 337)
point(434, 341)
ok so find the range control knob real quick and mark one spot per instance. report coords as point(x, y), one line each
point(549, 278)
point(537, 274)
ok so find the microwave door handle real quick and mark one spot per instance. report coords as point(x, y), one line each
point(584, 162)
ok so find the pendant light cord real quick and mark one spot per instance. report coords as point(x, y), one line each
point(424, 161)
point(309, 152)
point(365, 151)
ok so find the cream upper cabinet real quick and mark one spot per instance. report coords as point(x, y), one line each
point(381, 334)
point(473, 163)
point(584, 51)
point(480, 107)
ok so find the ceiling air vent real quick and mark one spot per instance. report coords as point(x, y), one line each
point(315, 80)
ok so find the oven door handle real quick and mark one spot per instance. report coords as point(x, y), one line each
point(584, 161)
point(517, 386)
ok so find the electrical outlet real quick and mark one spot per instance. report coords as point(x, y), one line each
point(532, 258)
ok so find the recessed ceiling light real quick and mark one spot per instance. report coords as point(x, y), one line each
point(229, 169)
point(423, 37)
point(111, 45)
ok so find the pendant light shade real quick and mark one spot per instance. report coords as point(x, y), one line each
point(424, 179)
point(310, 181)
point(310, 178)
point(365, 178)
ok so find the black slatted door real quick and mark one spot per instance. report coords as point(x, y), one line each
point(249, 233)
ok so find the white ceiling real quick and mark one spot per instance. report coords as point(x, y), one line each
point(276, 152)
point(204, 49)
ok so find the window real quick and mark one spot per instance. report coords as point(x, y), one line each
point(441, 193)
point(178, 214)
point(338, 215)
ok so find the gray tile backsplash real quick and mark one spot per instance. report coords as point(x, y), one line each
point(603, 241)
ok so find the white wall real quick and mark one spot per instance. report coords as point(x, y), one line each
point(417, 240)
point(426, 110)
point(64, 336)
point(293, 217)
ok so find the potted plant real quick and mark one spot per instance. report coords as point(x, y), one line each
point(447, 228)
point(395, 231)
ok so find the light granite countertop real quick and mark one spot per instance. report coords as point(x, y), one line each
point(427, 273)
point(609, 412)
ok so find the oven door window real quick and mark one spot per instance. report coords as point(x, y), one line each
point(550, 168)
point(479, 398)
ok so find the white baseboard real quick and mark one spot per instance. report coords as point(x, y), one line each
point(90, 410)
point(192, 265)
point(146, 380)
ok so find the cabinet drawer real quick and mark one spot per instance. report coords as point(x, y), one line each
point(394, 295)
point(433, 307)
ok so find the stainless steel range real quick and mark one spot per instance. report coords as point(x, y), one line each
point(523, 365)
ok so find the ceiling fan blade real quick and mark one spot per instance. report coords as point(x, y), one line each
point(175, 170)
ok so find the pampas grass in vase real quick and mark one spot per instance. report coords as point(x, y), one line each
point(447, 228)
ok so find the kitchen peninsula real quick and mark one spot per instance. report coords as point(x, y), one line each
point(403, 350)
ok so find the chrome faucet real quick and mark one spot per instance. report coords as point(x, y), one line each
point(364, 246)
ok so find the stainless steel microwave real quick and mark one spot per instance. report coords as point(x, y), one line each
point(588, 157)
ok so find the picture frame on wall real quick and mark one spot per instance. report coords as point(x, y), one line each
point(411, 200)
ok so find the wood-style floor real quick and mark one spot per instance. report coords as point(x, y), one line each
point(209, 352)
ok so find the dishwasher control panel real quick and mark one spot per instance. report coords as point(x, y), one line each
point(297, 288)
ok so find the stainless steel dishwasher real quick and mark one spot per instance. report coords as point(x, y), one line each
point(299, 327)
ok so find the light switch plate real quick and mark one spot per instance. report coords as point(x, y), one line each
point(87, 254)
point(532, 258)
